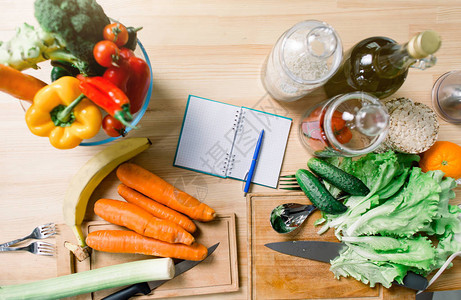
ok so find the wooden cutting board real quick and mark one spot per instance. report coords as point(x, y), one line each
point(273, 275)
point(218, 273)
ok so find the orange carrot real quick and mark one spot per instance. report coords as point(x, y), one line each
point(121, 241)
point(137, 219)
point(19, 84)
point(156, 209)
point(158, 189)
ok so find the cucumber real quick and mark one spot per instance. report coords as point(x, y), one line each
point(337, 177)
point(318, 194)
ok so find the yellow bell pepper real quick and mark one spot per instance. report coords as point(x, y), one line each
point(62, 113)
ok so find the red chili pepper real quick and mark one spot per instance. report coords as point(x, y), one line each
point(114, 92)
point(107, 96)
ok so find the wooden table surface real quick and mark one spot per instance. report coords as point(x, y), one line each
point(214, 49)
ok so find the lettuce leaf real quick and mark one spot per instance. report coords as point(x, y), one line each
point(415, 252)
point(386, 231)
point(405, 213)
point(369, 272)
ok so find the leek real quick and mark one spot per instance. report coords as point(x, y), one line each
point(91, 281)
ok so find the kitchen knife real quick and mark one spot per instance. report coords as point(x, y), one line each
point(326, 251)
point(146, 287)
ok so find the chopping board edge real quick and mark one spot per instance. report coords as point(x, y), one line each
point(67, 264)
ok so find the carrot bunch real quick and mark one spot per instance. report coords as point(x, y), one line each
point(157, 215)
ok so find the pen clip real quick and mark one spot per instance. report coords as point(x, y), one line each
point(244, 181)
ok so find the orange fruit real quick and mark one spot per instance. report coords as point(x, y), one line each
point(444, 156)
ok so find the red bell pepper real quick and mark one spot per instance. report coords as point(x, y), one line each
point(139, 82)
point(132, 76)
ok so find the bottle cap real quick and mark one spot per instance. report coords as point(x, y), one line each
point(424, 44)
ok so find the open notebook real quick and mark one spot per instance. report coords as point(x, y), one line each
point(219, 139)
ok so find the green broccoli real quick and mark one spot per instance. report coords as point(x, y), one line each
point(31, 46)
point(77, 24)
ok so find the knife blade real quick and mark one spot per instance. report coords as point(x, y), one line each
point(146, 287)
point(326, 251)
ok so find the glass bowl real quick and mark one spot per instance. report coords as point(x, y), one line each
point(446, 97)
point(102, 137)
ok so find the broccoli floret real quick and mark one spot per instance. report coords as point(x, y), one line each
point(77, 24)
point(31, 46)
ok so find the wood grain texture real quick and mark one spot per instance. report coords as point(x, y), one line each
point(274, 275)
point(213, 49)
point(217, 274)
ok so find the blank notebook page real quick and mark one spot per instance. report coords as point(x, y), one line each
point(276, 131)
point(207, 136)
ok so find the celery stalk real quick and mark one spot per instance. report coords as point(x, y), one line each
point(91, 281)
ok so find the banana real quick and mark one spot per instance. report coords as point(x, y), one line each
point(91, 174)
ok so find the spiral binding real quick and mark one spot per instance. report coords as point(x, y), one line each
point(230, 157)
point(241, 121)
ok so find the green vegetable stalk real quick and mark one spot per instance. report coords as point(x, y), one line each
point(91, 281)
point(68, 31)
point(31, 46)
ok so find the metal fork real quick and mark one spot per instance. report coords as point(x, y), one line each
point(288, 182)
point(40, 232)
point(39, 248)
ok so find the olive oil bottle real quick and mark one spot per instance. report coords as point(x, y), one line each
point(379, 66)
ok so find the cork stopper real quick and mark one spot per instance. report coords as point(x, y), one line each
point(424, 44)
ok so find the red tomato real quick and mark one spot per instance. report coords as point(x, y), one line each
point(126, 53)
point(106, 53)
point(112, 126)
point(116, 33)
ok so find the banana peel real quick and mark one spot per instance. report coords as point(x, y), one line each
point(85, 181)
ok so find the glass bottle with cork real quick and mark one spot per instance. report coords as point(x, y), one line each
point(379, 65)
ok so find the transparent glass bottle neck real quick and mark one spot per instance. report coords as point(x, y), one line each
point(393, 60)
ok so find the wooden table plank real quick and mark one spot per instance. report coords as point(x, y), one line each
point(213, 49)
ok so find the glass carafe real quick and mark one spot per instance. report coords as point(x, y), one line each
point(303, 58)
point(346, 125)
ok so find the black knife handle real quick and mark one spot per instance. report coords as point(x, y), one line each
point(414, 281)
point(130, 291)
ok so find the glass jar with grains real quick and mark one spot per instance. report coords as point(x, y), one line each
point(303, 58)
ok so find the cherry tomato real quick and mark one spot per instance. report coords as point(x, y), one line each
point(106, 53)
point(116, 33)
point(112, 126)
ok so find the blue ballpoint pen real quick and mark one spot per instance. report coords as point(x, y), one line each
point(253, 163)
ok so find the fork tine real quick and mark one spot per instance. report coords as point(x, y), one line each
point(45, 253)
point(49, 232)
point(48, 226)
point(44, 243)
point(288, 176)
point(44, 248)
point(291, 188)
